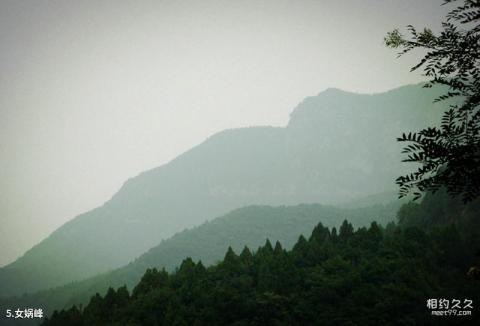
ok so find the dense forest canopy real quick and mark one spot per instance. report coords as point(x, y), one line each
point(371, 276)
point(247, 226)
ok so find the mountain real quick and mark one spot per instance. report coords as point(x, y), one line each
point(248, 226)
point(337, 146)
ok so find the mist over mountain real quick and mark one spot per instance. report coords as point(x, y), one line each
point(338, 146)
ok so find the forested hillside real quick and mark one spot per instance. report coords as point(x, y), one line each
point(249, 226)
point(371, 276)
point(441, 209)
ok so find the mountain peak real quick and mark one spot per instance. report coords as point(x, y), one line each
point(333, 90)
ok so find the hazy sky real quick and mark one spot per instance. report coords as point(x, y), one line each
point(94, 92)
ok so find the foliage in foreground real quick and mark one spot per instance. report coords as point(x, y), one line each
point(448, 155)
point(371, 276)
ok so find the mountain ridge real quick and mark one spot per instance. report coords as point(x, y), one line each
point(327, 153)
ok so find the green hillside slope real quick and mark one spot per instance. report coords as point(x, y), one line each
point(249, 226)
point(362, 277)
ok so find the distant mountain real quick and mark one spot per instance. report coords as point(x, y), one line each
point(249, 226)
point(337, 146)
